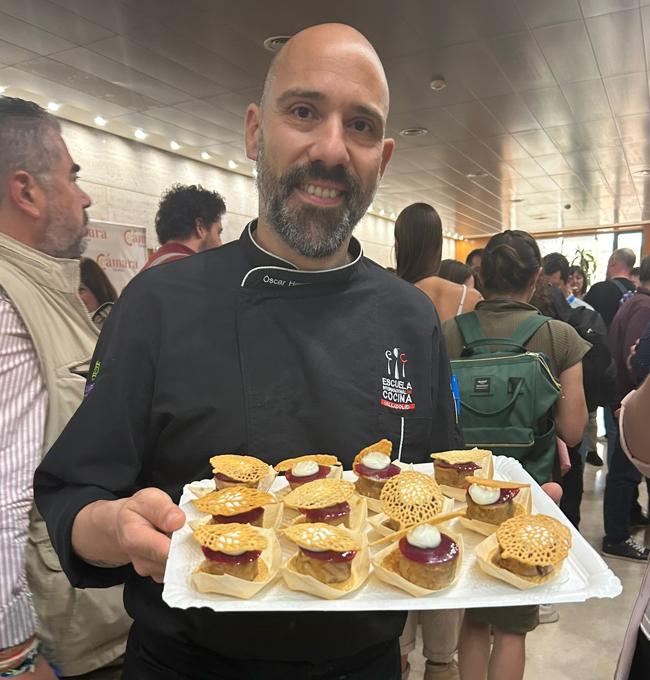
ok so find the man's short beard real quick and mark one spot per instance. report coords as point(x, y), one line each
point(309, 230)
point(61, 243)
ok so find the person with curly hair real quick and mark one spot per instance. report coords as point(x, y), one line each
point(188, 221)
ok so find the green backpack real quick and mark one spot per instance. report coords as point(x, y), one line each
point(507, 395)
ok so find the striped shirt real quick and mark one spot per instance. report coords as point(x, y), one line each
point(23, 409)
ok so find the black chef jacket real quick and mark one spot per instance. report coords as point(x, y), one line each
point(235, 351)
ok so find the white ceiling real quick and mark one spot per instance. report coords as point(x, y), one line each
point(546, 100)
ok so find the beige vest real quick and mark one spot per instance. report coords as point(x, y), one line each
point(81, 629)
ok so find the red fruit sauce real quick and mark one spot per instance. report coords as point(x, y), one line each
point(340, 510)
point(446, 551)
point(330, 555)
point(386, 473)
point(323, 471)
point(241, 518)
point(469, 466)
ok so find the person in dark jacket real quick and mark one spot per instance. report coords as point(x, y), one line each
point(279, 344)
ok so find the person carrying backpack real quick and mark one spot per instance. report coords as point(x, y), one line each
point(531, 385)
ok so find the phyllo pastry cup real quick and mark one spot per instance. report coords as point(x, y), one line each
point(253, 553)
point(526, 551)
point(234, 470)
point(241, 505)
point(486, 519)
point(370, 482)
point(324, 466)
point(407, 499)
point(331, 501)
point(450, 469)
point(330, 562)
point(386, 569)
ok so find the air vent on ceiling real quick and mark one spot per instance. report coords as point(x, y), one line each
point(413, 132)
point(276, 42)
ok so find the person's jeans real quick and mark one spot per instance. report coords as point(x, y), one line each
point(620, 492)
point(611, 430)
point(572, 487)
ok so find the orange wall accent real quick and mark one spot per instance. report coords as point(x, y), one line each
point(464, 248)
point(645, 244)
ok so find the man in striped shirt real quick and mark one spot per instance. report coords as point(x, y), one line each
point(46, 337)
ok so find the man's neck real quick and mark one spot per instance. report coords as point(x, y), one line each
point(268, 239)
point(620, 275)
point(188, 244)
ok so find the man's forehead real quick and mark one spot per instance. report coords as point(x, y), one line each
point(306, 67)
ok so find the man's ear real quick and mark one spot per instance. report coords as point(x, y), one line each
point(252, 128)
point(199, 228)
point(386, 154)
point(25, 193)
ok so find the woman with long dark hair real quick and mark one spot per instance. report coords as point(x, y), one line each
point(418, 250)
point(510, 267)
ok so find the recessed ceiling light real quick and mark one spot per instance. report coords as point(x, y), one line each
point(476, 175)
point(382, 212)
point(642, 173)
point(205, 155)
point(3, 89)
point(232, 165)
point(371, 207)
point(393, 216)
point(276, 42)
point(539, 217)
point(254, 173)
point(516, 200)
point(140, 133)
point(174, 146)
point(413, 132)
point(100, 120)
point(438, 84)
point(53, 106)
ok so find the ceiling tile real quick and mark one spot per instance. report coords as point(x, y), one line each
point(553, 164)
point(169, 130)
point(118, 18)
point(476, 118)
point(497, 17)
point(587, 99)
point(12, 54)
point(628, 94)
point(212, 114)
point(536, 142)
point(522, 61)
point(30, 37)
point(616, 56)
point(511, 111)
point(568, 51)
point(592, 8)
point(549, 107)
point(55, 19)
point(506, 147)
point(526, 167)
point(549, 12)
point(189, 122)
point(118, 74)
point(157, 66)
point(87, 83)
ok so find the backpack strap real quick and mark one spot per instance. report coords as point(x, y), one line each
point(622, 289)
point(470, 328)
point(525, 331)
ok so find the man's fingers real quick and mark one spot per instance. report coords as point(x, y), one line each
point(144, 542)
point(155, 506)
point(174, 520)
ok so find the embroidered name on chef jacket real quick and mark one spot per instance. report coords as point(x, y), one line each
point(396, 388)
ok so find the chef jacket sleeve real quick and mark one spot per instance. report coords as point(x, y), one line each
point(100, 453)
point(446, 433)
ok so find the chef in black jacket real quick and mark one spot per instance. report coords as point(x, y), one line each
point(285, 342)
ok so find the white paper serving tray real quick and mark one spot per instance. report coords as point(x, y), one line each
point(584, 574)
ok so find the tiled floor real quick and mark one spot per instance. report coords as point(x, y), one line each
point(585, 642)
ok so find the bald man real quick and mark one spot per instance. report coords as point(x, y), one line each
point(298, 344)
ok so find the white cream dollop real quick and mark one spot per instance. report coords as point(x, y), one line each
point(304, 468)
point(424, 536)
point(483, 495)
point(376, 461)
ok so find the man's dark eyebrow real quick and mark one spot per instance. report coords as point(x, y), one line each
point(75, 169)
point(297, 93)
point(315, 95)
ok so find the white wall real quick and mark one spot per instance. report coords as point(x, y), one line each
point(125, 180)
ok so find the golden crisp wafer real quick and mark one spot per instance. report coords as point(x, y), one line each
point(318, 458)
point(320, 536)
point(382, 446)
point(240, 468)
point(233, 500)
point(411, 497)
point(462, 456)
point(496, 483)
point(321, 493)
point(231, 539)
point(534, 540)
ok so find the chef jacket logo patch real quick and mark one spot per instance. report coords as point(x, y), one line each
point(396, 389)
